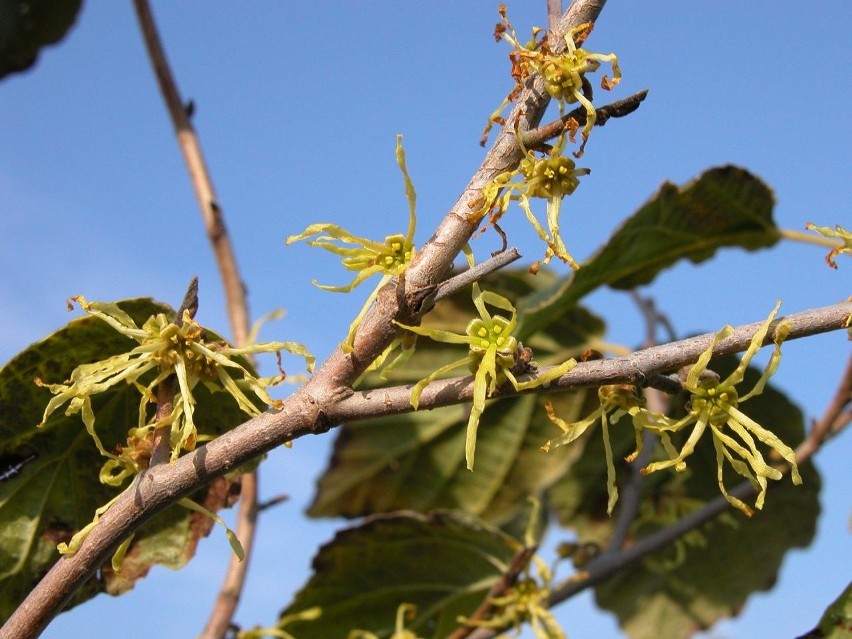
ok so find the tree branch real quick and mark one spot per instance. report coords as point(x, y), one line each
point(618, 109)
point(327, 400)
point(307, 412)
point(201, 181)
point(237, 306)
point(637, 368)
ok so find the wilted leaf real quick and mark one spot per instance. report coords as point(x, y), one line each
point(708, 576)
point(444, 563)
point(56, 489)
point(725, 206)
point(416, 461)
point(28, 25)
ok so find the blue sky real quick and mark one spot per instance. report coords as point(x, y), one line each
point(298, 105)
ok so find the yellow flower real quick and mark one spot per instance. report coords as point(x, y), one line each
point(390, 258)
point(714, 404)
point(563, 73)
point(164, 349)
point(551, 177)
point(492, 354)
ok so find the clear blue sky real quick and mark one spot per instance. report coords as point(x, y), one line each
point(298, 104)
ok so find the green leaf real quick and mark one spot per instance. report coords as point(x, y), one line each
point(444, 563)
point(725, 206)
point(836, 623)
point(416, 461)
point(56, 489)
point(28, 25)
point(708, 575)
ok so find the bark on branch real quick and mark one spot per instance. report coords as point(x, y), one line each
point(316, 408)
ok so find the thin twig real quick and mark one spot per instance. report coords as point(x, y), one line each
point(630, 494)
point(237, 307)
point(536, 137)
point(554, 12)
point(272, 502)
point(837, 415)
point(201, 181)
point(161, 447)
point(228, 597)
point(460, 281)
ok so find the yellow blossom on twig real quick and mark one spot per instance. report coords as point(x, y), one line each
point(493, 352)
point(714, 405)
point(550, 177)
point(563, 73)
point(164, 349)
point(366, 257)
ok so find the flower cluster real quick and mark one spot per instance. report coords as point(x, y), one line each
point(714, 405)
point(551, 177)
point(165, 349)
point(390, 258)
point(493, 355)
point(563, 71)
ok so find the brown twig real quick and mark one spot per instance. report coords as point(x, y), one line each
point(630, 496)
point(554, 12)
point(228, 597)
point(466, 278)
point(237, 307)
point(837, 415)
point(201, 181)
point(272, 502)
point(536, 137)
